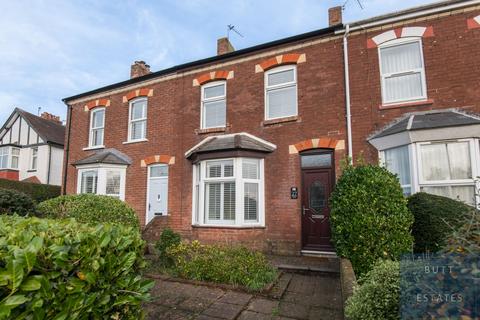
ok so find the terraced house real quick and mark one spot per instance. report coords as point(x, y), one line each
point(246, 146)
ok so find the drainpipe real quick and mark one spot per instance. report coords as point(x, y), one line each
point(347, 93)
point(67, 149)
point(49, 163)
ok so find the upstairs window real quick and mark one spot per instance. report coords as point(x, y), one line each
point(97, 125)
point(281, 92)
point(214, 105)
point(137, 127)
point(402, 71)
point(34, 159)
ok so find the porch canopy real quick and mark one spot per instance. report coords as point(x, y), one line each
point(105, 156)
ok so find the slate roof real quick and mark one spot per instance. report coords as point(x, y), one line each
point(49, 130)
point(236, 141)
point(107, 156)
point(428, 120)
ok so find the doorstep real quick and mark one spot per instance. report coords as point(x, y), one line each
point(321, 264)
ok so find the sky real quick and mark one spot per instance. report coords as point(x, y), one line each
point(52, 49)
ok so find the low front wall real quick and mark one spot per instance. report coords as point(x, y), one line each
point(9, 174)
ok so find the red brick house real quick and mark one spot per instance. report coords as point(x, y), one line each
point(246, 146)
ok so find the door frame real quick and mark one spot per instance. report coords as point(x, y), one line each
point(331, 168)
point(147, 195)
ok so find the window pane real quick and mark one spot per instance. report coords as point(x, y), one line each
point(397, 161)
point(459, 159)
point(98, 118)
point(401, 58)
point(282, 102)
point(89, 181)
point(462, 193)
point(14, 162)
point(229, 201)
point(34, 158)
point(3, 150)
point(250, 169)
point(159, 171)
point(250, 201)
point(401, 87)
point(113, 183)
point(214, 170)
point(97, 137)
point(215, 114)
point(228, 169)
point(138, 110)
point(212, 201)
point(15, 151)
point(316, 160)
point(446, 161)
point(215, 91)
point(281, 77)
point(138, 130)
point(3, 161)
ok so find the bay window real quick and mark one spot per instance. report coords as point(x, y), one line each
point(4, 157)
point(104, 180)
point(137, 126)
point(281, 92)
point(397, 161)
point(15, 158)
point(9, 157)
point(228, 192)
point(214, 105)
point(97, 125)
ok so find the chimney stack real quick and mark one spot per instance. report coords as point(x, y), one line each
point(138, 69)
point(334, 16)
point(224, 46)
point(51, 117)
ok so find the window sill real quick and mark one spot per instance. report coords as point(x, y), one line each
point(211, 130)
point(135, 141)
point(280, 120)
point(32, 170)
point(93, 148)
point(9, 169)
point(227, 227)
point(406, 104)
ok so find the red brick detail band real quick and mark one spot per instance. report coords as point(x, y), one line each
point(316, 143)
point(288, 58)
point(97, 103)
point(9, 174)
point(397, 33)
point(162, 158)
point(212, 76)
point(473, 23)
point(144, 92)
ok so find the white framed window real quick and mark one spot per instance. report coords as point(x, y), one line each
point(97, 126)
point(402, 71)
point(102, 179)
point(4, 152)
point(34, 158)
point(397, 161)
point(214, 105)
point(15, 158)
point(281, 92)
point(137, 125)
point(228, 192)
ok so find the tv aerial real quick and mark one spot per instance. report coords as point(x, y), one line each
point(359, 2)
point(231, 27)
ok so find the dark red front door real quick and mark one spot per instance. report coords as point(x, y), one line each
point(317, 186)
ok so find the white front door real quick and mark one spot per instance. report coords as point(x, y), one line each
point(157, 197)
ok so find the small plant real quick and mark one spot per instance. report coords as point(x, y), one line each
point(378, 295)
point(89, 208)
point(15, 202)
point(435, 218)
point(168, 239)
point(369, 217)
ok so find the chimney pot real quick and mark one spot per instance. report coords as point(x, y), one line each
point(334, 16)
point(224, 46)
point(138, 69)
point(51, 117)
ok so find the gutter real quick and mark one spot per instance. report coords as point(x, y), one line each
point(67, 149)
point(347, 94)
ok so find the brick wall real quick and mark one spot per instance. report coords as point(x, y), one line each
point(9, 174)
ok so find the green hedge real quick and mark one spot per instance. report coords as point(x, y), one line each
point(369, 217)
point(62, 269)
point(168, 239)
point(89, 208)
point(38, 192)
point(435, 218)
point(13, 201)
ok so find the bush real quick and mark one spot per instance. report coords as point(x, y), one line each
point(435, 216)
point(38, 192)
point(378, 295)
point(65, 269)
point(89, 208)
point(369, 217)
point(168, 239)
point(12, 201)
point(466, 238)
point(222, 264)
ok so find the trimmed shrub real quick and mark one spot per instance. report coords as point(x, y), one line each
point(65, 269)
point(466, 238)
point(369, 217)
point(435, 217)
point(237, 266)
point(12, 201)
point(168, 239)
point(38, 192)
point(89, 208)
point(378, 295)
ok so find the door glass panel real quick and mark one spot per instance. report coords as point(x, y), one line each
point(317, 196)
point(316, 160)
point(159, 171)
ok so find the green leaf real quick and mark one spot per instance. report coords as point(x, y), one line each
point(31, 284)
point(15, 271)
point(14, 300)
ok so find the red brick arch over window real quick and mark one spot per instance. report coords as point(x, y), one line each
point(473, 23)
point(317, 143)
point(161, 158)
point(288, 58)
point(213, 76)
point(403, 32)
point(97, 103)
point(144, 92)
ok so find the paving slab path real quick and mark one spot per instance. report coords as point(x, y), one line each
point(294, 296)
